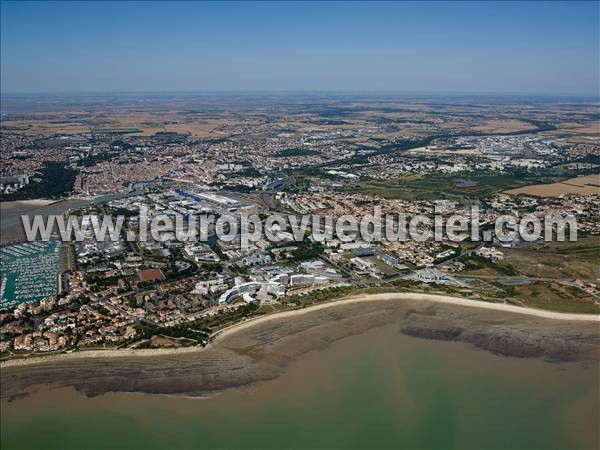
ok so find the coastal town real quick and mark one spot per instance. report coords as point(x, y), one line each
point(312, 225)
point(405, 158)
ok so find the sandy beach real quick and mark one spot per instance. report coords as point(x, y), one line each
point(37, 202)
point(262, 348)
point(238, 327)
point(413, 296)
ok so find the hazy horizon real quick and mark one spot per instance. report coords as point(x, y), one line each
point(459, 48)
point(290, 92)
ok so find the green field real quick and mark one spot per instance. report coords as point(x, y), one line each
point(462, 188)
point(585, 248)
point(553, 297)
point(115, 130)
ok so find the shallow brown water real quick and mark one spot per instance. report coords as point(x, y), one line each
point(380, 389)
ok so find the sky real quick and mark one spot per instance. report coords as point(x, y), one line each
point(537, 48)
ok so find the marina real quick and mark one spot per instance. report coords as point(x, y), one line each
point(28, 272)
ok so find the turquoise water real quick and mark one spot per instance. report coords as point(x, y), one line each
point(28, 272)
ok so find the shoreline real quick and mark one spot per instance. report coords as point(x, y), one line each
point(262, 348)
point(355, 299)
